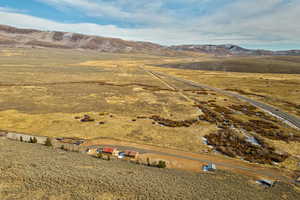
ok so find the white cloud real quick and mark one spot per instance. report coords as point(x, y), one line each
point(7, 9)
point(263, 22)
point(28, 21)
point(141, 11)
point(256, 22)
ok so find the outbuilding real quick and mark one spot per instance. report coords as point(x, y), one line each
point(121, 155)
point(131, 154)
point(210, 167)
point(26, 138)
point(91, 151)
point(108, 150)
point(265, 182)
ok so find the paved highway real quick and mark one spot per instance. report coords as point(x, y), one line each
point(289, 119)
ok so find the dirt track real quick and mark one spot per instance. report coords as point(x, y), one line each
point(222, 162)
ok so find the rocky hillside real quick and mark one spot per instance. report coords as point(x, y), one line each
point(16, 37)
point(229, 49)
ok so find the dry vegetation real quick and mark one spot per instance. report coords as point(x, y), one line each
point(29, 171)
point(280, 90)
point(261, 64)
point(54, 89)
point(46, 93)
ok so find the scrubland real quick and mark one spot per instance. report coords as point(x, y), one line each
point(45, 91)
point(29, 171)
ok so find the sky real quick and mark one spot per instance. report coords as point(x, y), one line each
point(258, 24)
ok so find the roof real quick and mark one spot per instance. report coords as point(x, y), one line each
point(209, 167)
point(266, 182)
point(130, 153)
point(108, 150)
point(121, 155)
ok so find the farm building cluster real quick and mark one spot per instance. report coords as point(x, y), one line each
point(113, 152)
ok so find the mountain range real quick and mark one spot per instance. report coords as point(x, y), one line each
point(18, 37)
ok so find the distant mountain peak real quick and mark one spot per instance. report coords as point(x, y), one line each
point(231, 50)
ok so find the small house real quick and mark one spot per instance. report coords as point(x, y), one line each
point(210, 167)
point(131, 154)
point(91, 151)
point(108, 150)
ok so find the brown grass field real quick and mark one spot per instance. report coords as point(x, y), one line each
point(42, 91)
point(274, 80)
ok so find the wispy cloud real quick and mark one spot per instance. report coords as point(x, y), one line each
point(258, 22)
point(141, 12)
point(13, 10)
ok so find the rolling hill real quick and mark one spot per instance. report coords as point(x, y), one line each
point(18, 37)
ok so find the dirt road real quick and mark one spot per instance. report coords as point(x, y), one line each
point(226, 163)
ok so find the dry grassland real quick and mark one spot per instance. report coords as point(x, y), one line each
point(275, 89)
point(280, 90)
point(42, 91)
point(42, 96)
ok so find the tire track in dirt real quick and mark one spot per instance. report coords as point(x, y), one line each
point(153, 75)
point(221, 162)
point(145, 86)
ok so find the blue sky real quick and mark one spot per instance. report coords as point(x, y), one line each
point(268, 24)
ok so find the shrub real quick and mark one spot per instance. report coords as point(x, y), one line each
point(99, 155)
point(21, 139)
point(34, 140)
point(30, 140)
point(48, 142)
point(161, 164)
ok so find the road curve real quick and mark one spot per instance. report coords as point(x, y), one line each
point(289, 119)
point(262, 172)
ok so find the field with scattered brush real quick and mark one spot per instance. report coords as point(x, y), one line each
point(49, 91)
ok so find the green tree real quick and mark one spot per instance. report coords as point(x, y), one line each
point(48, 142)
point(100, 155)
point(21, 139)
point(108, 157)
point(148, 162)
point(161, 164)
point(34, 140)
point(30, 140)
